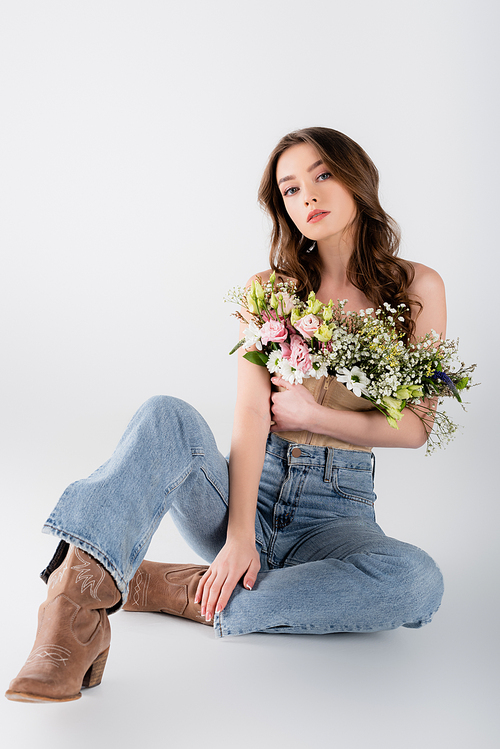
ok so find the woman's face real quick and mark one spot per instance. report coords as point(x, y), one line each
point(320, 207)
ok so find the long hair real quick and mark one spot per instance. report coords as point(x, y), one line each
point(373, 267)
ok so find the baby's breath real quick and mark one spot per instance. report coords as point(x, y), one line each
point(364, 349)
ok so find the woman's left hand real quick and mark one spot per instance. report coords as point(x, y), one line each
point(237, 560)
point(291, 409)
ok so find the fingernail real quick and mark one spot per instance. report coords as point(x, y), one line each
point(248, 587)
point(202, 611)
point(208, 616)
point(196, 600)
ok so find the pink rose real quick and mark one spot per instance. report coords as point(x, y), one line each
point(269, 314)
point(285, 350)
point(299, 357)
point(274, 330)
point(308, 325)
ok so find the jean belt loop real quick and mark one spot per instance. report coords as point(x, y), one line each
point(373, 466)
point(328, 464)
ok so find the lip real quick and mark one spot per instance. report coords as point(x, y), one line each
point(314, 216)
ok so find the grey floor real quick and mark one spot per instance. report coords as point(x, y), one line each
point(119, 116)
point(169, 682)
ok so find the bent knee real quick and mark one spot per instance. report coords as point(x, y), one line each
point(171, 416)
point(423, 586)
point(165, 405)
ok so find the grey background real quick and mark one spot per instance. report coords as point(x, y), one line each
point(133, 137)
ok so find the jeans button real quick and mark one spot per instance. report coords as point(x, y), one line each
point(296, 452)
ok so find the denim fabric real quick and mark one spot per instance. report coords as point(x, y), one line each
point(326, 564)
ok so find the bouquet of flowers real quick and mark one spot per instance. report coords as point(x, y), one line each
point(363, 350)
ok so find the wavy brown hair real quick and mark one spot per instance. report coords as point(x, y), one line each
point(373, 267)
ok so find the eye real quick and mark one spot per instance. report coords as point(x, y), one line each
point(290, 191)
point(324, 175)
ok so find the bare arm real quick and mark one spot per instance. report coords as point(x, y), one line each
point(252, 421)
point(239, 557)
point(296, 409)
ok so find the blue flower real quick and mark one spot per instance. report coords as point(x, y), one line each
point(438, 375)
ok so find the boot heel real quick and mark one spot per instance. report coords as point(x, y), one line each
point(93, 677)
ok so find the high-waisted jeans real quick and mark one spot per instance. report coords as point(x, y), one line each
point(326, 564)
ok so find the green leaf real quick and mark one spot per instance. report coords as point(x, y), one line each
point(256, 357)
point(240, 343)
point(431, 384)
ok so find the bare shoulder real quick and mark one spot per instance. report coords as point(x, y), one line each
point(426, 283)
point(264, 276)
point(427, 288)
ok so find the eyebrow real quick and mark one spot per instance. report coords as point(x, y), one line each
point(292, 176)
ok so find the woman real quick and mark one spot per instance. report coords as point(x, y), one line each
point(297, 548)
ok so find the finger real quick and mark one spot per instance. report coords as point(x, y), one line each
point(206, 591)
point(251, 575)
point(215, 590)
point(275, 419)
point(276, 423)
point(281, 383)
point(225, 595)
point(201, 584)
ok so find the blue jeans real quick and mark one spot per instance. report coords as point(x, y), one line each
point(326, 564)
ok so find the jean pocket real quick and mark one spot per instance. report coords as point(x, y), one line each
point(355, 484)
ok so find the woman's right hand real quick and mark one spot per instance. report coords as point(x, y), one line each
point(236, 560)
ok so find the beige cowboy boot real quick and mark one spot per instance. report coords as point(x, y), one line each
point(73, 636)
point(167, 588)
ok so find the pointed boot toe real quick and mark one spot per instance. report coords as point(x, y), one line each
point(166, 588)
point(73, 635)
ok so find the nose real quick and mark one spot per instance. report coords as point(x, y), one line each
point(310, 199)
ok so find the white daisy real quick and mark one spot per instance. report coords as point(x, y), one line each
point(252, 336)
point(354, 379)
point(274, 362)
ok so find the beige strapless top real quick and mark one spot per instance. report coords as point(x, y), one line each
point(329, 392)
